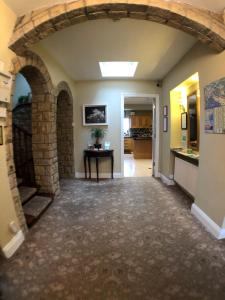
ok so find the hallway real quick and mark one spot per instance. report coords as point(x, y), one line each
point(131, 238)
point(137, 167)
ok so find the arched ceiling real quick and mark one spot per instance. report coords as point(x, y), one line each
point(21, 7)
point(156, 47)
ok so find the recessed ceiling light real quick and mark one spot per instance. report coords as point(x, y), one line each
point(118, 68)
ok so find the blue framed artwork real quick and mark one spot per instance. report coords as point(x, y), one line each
point(215, 107)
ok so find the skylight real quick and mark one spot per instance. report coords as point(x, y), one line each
point(118, 68)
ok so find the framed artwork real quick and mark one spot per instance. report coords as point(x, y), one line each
point(215, 107)
point(165, 110)
point(95, 115)
point(165, 124)
point(1, 135)
point(184, 121)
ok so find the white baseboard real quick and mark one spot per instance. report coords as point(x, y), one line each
point(13, 245)
point(208, 223)
point(101, 175)
point(166, 180)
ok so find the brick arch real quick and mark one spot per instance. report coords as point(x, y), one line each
point(206, 26)
point(43, 129)
point(65, 134)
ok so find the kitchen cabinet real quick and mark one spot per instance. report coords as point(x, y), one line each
point(141, 121)
point(142, 148)
point(128, 145)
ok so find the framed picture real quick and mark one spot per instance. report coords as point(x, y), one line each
point(184, 121)
point(165, 110)
point(95, 115)
point(1, 135)
point(165, 124)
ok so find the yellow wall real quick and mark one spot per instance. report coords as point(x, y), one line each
point(211, 182)
point(7, 211)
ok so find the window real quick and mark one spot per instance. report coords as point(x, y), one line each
point(118, 68)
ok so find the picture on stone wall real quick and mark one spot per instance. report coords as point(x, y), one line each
point(94, 115)
point(215, 107)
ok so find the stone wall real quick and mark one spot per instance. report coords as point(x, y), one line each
point(206, 26)
point(65, 144)
point(43, 129)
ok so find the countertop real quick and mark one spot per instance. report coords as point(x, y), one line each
point(138, 137)
point(191, 158)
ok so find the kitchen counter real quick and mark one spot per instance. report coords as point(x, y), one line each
point(143, 138)
point(142, 148)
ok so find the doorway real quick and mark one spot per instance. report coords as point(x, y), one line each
point(65, 145)
point(35, 174)
point(139, 135)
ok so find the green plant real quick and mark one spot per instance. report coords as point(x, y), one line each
point(98, 133)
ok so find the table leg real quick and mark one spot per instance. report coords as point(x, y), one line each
point(112, 166)
point(85, 166)
point(97, 169)
point(89, 167)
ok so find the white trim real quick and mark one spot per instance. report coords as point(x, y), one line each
point(13, 245)
point(209, 224)
point(101, 175)
point(166, 180)
point(157, 129)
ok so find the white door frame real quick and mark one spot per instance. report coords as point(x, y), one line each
point(156, 130)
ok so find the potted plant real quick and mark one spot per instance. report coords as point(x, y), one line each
point(97, 134)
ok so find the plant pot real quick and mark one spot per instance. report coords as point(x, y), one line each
point(98, 146)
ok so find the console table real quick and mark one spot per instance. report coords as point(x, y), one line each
point(88, 154)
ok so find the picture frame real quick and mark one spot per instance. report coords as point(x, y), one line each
point(1, 135)
point(95, 114)
point(184, 121)
point(165, 124)
point(165, 110)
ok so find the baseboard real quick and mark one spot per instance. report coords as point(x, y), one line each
point(13, 245)
point(209, 224)
point(101, 175)
point(166, 180)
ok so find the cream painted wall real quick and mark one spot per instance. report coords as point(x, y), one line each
point(7, 211)
point(211, 182)
point(106, 92)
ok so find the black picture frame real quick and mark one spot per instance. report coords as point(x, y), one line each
point(184, 121)
point(165, 111)
point(1, 135)
point(165, 124)
point(95, 115)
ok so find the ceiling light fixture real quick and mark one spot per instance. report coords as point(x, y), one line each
point(118, 68)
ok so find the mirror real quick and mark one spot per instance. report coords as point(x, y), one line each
point(193, 121)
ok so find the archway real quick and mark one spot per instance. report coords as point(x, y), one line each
point(39, 24)
point(44, 148)
point(65, 144)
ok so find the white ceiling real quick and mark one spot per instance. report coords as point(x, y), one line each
point(23, 6)
point(156, 47)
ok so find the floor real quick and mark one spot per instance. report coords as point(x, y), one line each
point(122, 239)
point(137, 167)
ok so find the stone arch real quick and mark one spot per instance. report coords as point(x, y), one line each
point(43, 129)
point(65, 135)
point(206, 26)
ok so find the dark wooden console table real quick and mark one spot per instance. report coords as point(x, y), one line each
point(88, 154)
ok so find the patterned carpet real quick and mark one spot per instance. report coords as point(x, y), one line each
point(124, 239)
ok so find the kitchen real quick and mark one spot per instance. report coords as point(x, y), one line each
point(137, 138)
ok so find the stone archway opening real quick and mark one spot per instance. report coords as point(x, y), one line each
point(65, 144)
point(30, 203)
